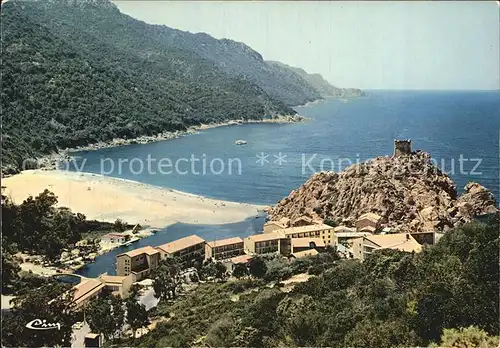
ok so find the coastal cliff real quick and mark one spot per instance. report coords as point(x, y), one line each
point(322, 86)
point(407, 191)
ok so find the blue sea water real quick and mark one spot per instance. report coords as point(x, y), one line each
point(448, 125)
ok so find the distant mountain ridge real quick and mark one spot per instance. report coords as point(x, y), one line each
point(79, 72)
point(323, 87)
point(238, 59)
point(292, 86)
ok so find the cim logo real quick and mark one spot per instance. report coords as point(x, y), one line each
point(39, 324)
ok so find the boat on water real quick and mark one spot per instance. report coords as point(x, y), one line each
point(344, 101)
point(240, 142)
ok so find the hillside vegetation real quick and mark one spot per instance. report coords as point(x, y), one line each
point(67, 84)
point(80, 72)
point(38, 227)
point(447, 294)
point(393, 299)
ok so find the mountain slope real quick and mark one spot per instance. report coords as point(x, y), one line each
point(240, 60)
point(98, 17)
point(317, 81)
point(67, 82)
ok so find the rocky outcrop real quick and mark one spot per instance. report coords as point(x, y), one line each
point(408, 192)
point(475, 201)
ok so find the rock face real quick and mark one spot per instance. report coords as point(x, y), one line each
point(408, 191)
point(475, 201)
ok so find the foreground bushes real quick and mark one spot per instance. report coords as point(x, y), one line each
point(392, 299)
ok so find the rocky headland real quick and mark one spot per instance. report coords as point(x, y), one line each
point(407, 191)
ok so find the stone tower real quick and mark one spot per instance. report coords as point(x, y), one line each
point(402, 147)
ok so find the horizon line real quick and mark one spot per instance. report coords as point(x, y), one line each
point(430, 89)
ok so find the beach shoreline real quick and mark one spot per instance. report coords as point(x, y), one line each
point(53, 160)
point(106, 199)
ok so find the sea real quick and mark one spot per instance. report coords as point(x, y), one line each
point(460, 129)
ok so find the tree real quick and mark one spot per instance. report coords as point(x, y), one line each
point(137, 316)
point(299, 319)
point(37, 226)
point(119, 225)
point(196, 261)
point(247, 337)
point(458, 274)
point(162, 285)
point(10, 270)
point(467, 337)
point(35, 216)
point(257, 267)
point(221, 270)
point(221, 333)
point(331, 222)
point(277, 269)
point(193, 277)
point(52, 302)
point(214, 269)
point(12, 227)
point(240, 270)
point(166, 279)
point(106, 315)
point(261, 313)
point(370, 334)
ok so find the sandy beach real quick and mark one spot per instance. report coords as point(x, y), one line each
point(107, 199)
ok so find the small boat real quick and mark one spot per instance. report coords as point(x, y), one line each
point(128, 243)
point(240, 142)
point(344, 101)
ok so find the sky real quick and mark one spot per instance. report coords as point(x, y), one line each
point(369, 45)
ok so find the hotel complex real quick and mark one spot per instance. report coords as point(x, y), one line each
point(138, 262)
point(278, 237)
point(353, 242)
point(368, 222)
point(90, 288)
point(224, 249)
point(302, 244)
point(322, 231)
point(272, 242)
point(184, 248)
point(364, 246)
point(271, 226)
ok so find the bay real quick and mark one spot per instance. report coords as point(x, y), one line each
point(459, 129)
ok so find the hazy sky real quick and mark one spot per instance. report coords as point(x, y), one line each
point(371, 45)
